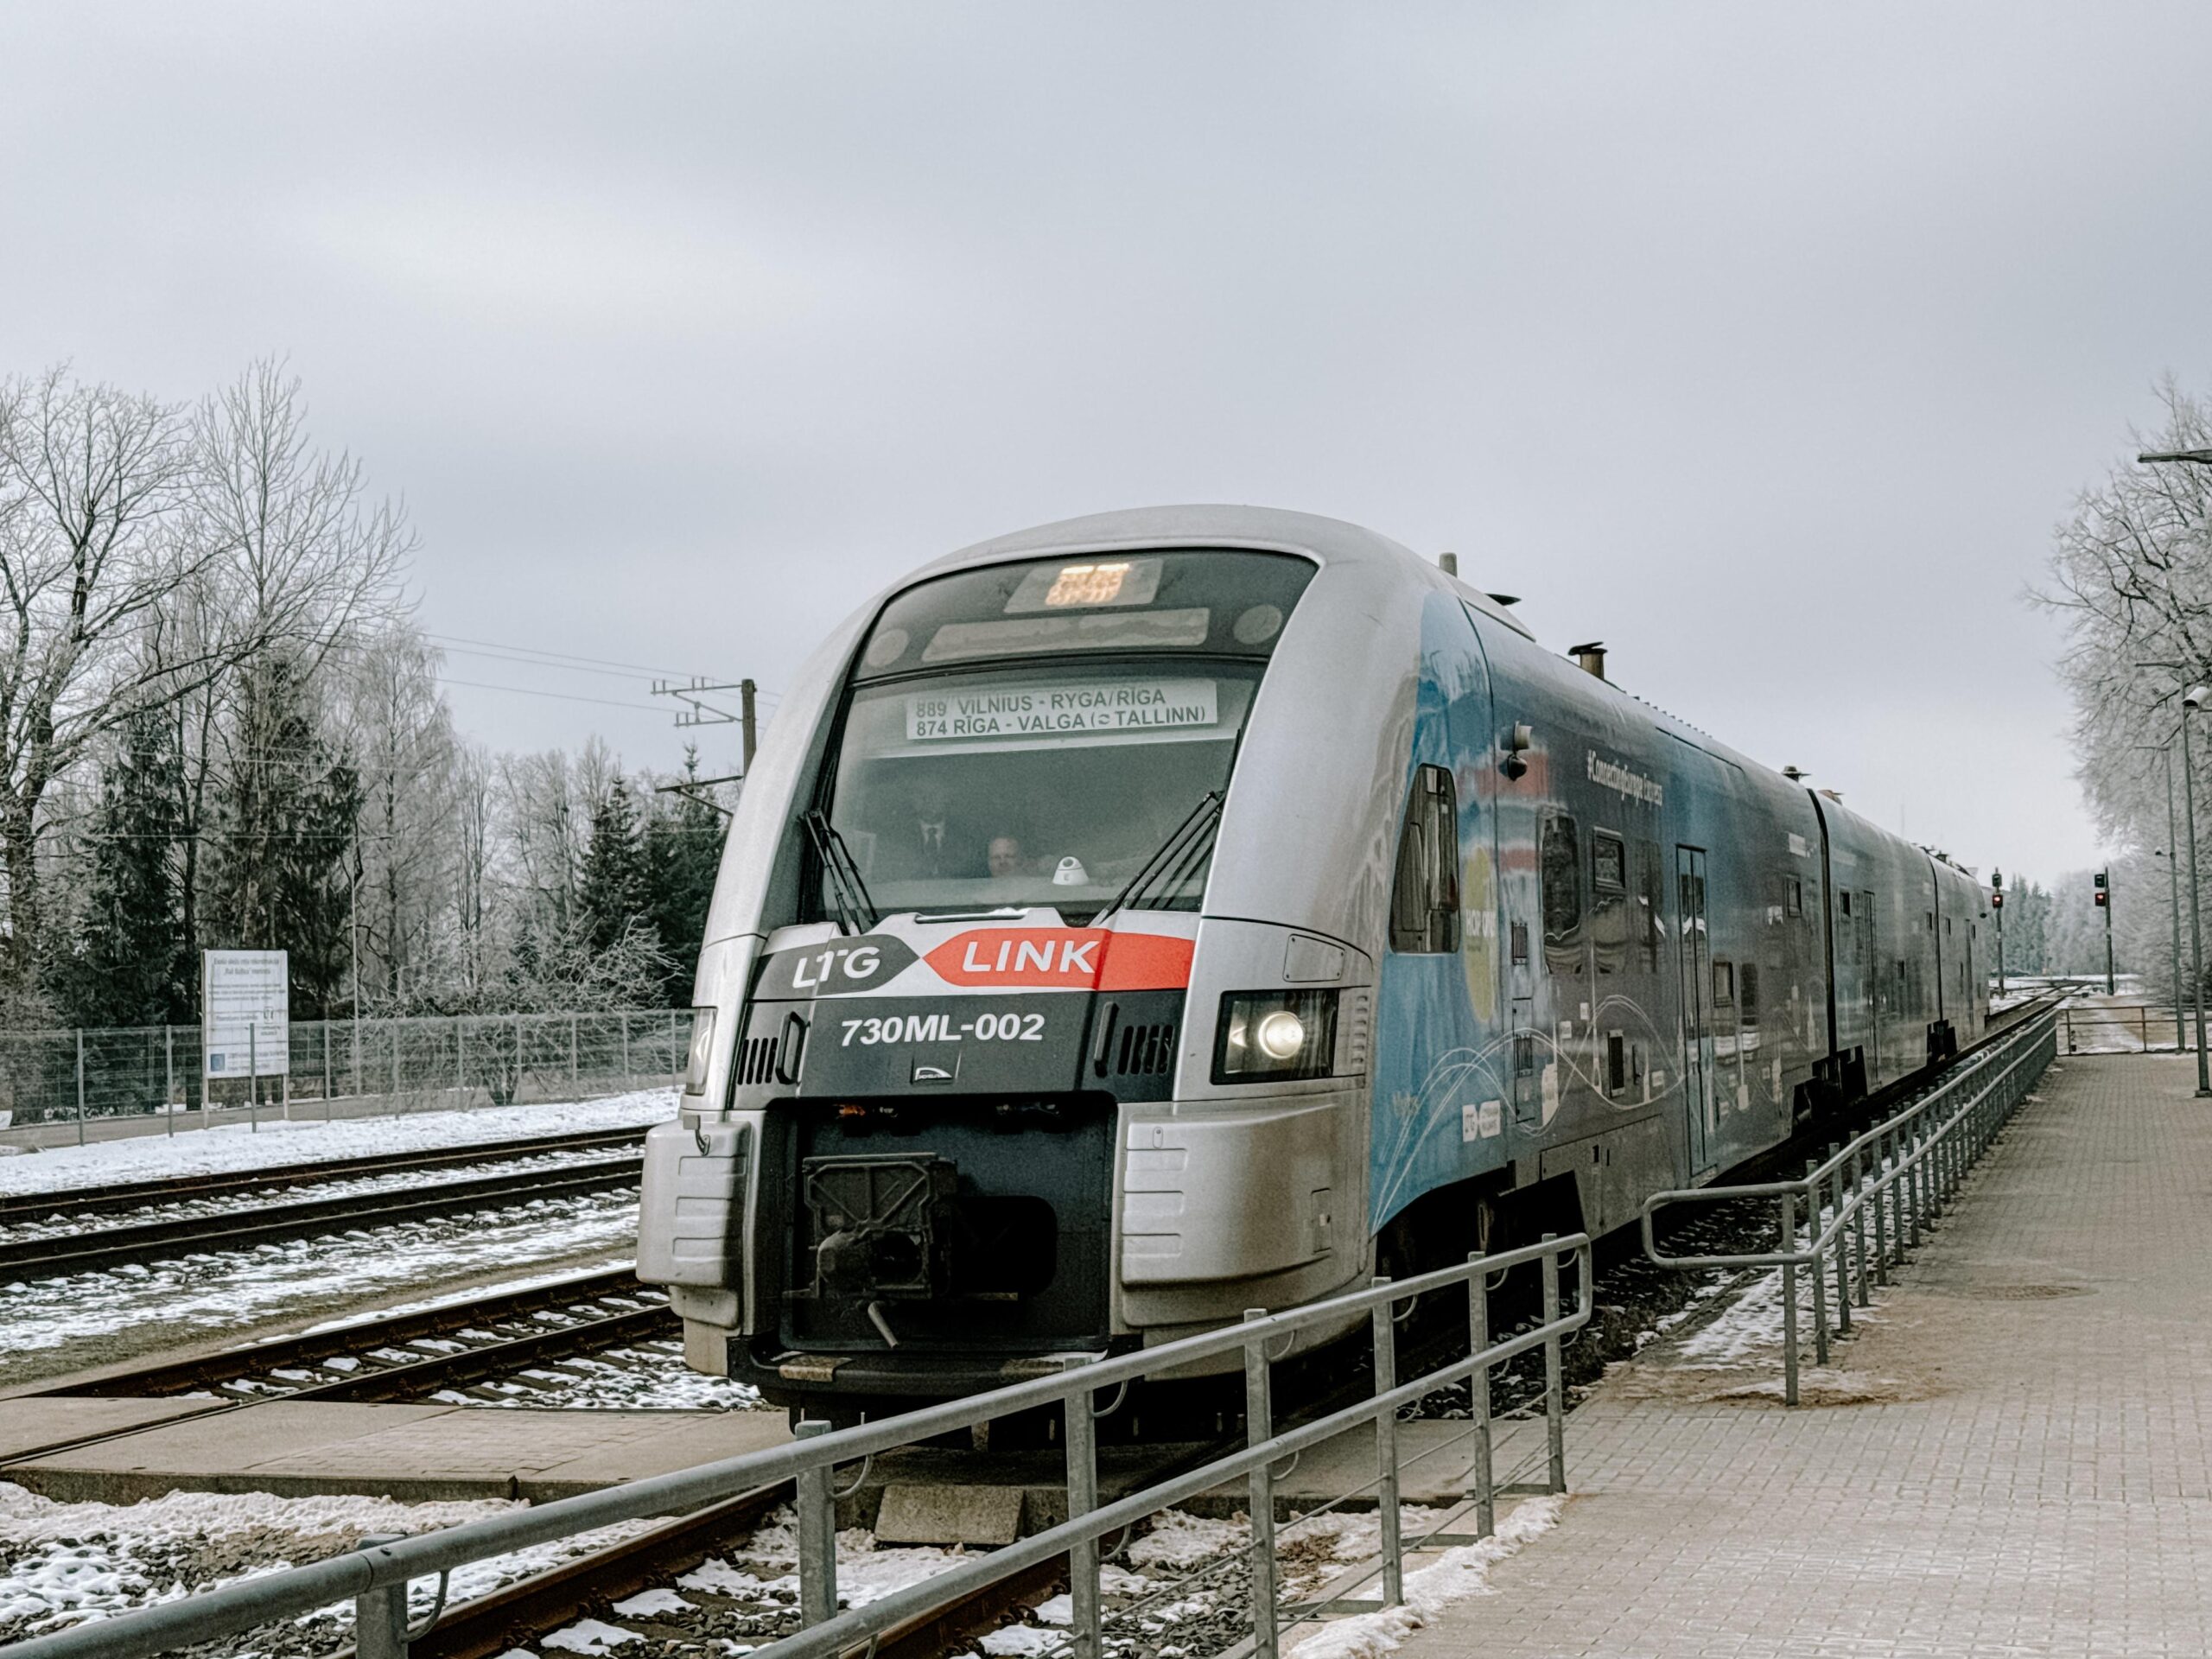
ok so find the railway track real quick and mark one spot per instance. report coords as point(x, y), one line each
point(407, 1355)
point(137, 1195)
point(58, 1255)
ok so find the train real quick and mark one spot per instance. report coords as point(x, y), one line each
point(1139, 919)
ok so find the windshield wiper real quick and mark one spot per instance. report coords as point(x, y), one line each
point(1187, 847)
point(857, 912)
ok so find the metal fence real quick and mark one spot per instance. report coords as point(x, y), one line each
point(2126, 1028)
point(50, 1076)
point(1897, 1177)
point(375, 1577)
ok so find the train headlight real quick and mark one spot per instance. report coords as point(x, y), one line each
point(1275, 1036)
point(1280, 1034)
point(702, 1052)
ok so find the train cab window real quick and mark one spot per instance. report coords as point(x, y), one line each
point(1724, 984)
point(1793, 896)
point(1425, 896)
point(1559, 860)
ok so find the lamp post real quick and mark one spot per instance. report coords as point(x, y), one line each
point(2171, 853)
point(2191, 700)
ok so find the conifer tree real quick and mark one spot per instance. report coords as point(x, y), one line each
point(683, 848)
point(614, 893)
point(279, 881)
point(127, 967)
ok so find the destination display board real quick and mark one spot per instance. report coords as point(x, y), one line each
point(1023, 710)
point(245, 1002)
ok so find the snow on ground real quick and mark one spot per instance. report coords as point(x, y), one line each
point(235, 1147)
point(60, 1562)
point(102, 1317)
point(646, 1376)
point(63, 1562)
point(1460, 1573)
point(66, 1224)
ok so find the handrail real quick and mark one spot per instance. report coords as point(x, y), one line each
point(375, 1575)
point(1902, 1170)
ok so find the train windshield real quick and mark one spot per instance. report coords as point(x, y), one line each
point(1035, 786)
point(1033, 733)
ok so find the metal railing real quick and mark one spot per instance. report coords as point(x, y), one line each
point(1901, 1173)
point(375, 1576)
point(2125, 1028)
point(50, 1078)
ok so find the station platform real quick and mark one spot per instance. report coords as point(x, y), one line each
point(296, 1448)
point(2008, 1458)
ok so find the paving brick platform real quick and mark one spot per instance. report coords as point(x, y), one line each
point(2008, 1458)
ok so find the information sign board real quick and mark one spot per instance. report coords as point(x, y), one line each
point(244, 1002)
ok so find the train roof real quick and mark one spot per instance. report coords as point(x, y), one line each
point(1328, 540)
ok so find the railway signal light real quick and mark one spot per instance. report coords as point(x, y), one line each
point(1997, 899)
point(2101, 897)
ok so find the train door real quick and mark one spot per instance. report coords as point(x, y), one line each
point(1697, 992)
point(1870, 989)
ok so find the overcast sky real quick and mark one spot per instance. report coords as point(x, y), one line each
point(1764, 342)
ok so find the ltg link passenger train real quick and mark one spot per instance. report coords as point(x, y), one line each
point(1145, 918)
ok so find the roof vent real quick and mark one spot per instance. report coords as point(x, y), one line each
point(1590, 657)
point(1448, 564)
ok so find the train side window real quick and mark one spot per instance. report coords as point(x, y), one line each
point(1650, 896)
point(1724, 984)
point(1425, 897)
point(1609, 918)
point(1846, 897)
point(1560, 859)
point(1520, 940)
point(1747, 987)
point(1608, 864)
point(1793, 896)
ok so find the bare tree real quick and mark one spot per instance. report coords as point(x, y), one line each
point(90, 480)
point(2131, 576)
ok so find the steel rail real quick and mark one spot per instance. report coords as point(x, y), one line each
point(1902, 1170)
point(394, 1329)
point(58, 1255)
point(137, 1195)
point(375, 1576)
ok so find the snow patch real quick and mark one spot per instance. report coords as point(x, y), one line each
point(649, 1602)
point(1460, 1574)
point(1018, 1640)
point(234, 1146)
point(1178, 1540)
point(591, 1636)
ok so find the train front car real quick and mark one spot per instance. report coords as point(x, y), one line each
point(1034, 1016)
